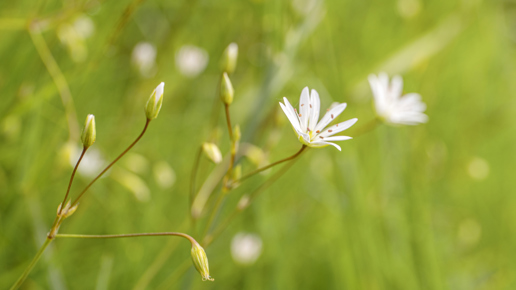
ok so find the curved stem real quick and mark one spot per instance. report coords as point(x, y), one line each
point(193, 180)
point(71, 180)
point(27, 271)
point(192, 240)
point(112, 163)
point(233, 147)
point(271, 165)
point(209, 238)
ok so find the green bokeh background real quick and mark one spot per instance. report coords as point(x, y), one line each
point(398, 208)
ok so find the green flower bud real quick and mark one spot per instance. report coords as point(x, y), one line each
point(89, 133)
point(237, 172)
point(212, 152)
point(155, 101)
point(66, 211)
point(229, 59)
point(226, 90)
point(237, 134)
point(200, 261)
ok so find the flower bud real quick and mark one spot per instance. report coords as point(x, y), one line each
point(237, 172)
point(237, 134)
point(212, 152)
point(154, 103)
point(66, 211)
point(226, 90)
point(229, 59)
point(89, 133)
point(201, 261)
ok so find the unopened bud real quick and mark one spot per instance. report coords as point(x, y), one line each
point(200, 261)
point(155, 101)
point(230, 57)
point(89, 133)
point(255, 155)
point(226, 90)
point(67, 210)
point(212, 152)
point(237, 134)
point(237, 172)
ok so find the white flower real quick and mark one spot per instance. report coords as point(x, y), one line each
point(191, 60)
point(246, 248)
point(391, 106)
point(308, 130)
point(144, 58)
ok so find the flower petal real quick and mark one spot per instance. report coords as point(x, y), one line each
point(338, 128)
point(337, 138)
point(304, 108)
point(323, 144)
point(329, 116)
point(290, 115)
point(315, 107)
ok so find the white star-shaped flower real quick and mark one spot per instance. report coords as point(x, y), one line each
point(309, 131)
point(391, 106)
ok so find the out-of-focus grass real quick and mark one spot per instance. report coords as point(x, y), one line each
point(399, 208)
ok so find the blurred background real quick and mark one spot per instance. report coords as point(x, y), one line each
point(414, 207)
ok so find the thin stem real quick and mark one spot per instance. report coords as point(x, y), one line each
point(159, 234)
point(209, 238)
point(36, 258)
point(233, 146)
point(112, 163)
point(192, 182)
point(271, 165)
point(71, 179)
point(215, 211)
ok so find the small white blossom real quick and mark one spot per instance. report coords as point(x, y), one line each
point(246, 248)
point(309, 131)
point(144, 58)
point(391, 106)
point(191, 60)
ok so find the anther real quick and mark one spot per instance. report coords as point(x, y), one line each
point(327, 110)
point(307, 129)
point(302, 105)
point(310, 105)
point(332, 116)
point(330, 131)
point(299, 115)
point(337, 125)
point(317, 131)
point(321, 137)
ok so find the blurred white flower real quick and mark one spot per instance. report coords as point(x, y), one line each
point(391, 106)
point(73, 36)
point(478, 168)
point(309, 131)
point(246, 248)
point(191, 60)
point(91, 164)
point(144, 59)
point(409, 8)
point(84, 26)
point(164, 174)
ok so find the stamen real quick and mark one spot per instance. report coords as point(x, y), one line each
point(330, 131)
point(337, 125)
point(327, 110)
point(307, 129)
point(332, 116)
point(299, 115)
point(317, 131)
point(310, 105)
point(295, 110)
point(321, 137)
point(302, 105)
